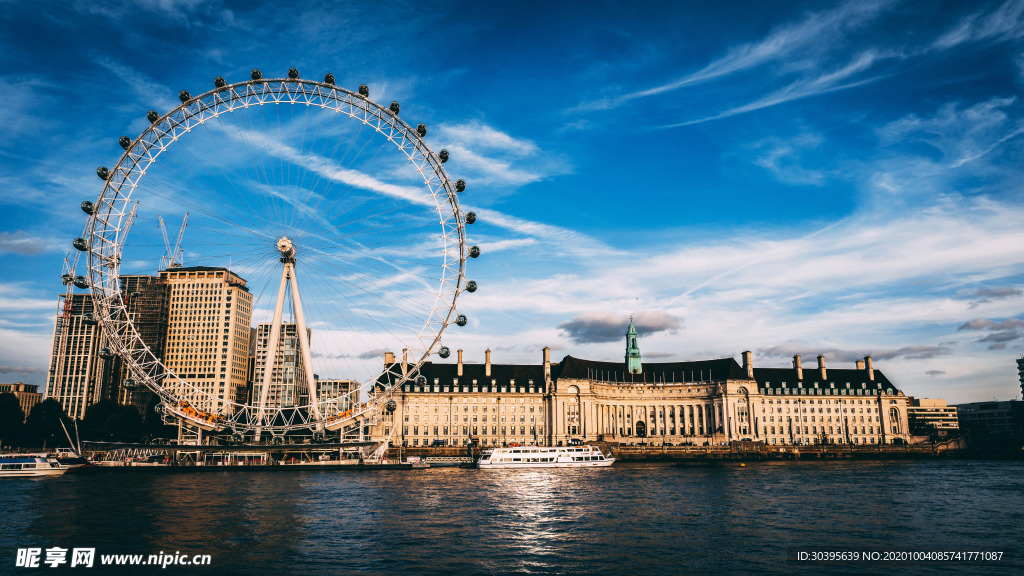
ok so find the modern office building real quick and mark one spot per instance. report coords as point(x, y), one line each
point(78, 376)
point(209, 320)
point(288, 385)
point(996, 418)
point(1020, 374)
point(147, 305)
point(28, 395)
point(931, 416)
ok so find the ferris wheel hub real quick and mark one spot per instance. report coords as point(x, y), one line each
point(286, 248)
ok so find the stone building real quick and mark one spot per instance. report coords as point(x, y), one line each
point(208, 333)
point(28, 395)
point(700, 402)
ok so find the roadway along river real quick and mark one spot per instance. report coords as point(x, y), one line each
point(631, 518)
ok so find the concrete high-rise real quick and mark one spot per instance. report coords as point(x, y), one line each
point(208, 332)
point(76, 376)
point(146, 304)
point(288, 385)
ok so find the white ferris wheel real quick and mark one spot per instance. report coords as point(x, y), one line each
point(341, 222)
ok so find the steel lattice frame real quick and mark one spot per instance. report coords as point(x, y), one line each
point(108, 226)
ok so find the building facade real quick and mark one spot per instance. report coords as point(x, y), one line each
point(699, 403)
point(147, 306)
point(997, 418)
point(78, 376)
point(28, 395)
point(288, 380)
point(931, 416)
point(208, 333)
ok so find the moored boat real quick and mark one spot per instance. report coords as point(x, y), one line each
point(36, 464)
point(544, 457)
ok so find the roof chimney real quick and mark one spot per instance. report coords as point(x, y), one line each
point(460, 363)
point(389, 358)
point(405, 361)
point(871, 370)
point(821, 367)
point(748, 365)
point(799, 367)
point(860, 364)
point(487, 368)
point(547, 364)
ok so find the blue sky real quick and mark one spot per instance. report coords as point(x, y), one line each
point(837, 178)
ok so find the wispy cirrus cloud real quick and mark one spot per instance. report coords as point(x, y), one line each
point(792, 41)
point(1006, 22)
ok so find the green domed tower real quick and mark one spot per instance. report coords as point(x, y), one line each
point(633, 365)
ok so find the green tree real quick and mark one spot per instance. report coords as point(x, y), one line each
point(12, 420)
point(95, 425)
point(43, 426)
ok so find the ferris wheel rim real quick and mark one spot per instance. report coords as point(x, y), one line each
point(106, 242)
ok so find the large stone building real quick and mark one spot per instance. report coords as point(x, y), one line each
point(28, 395)
point(700, 402)
point(208, 334)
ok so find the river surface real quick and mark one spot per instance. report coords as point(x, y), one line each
point(627, 519)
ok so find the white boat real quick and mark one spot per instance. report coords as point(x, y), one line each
point(544, 457)
point(12, 465)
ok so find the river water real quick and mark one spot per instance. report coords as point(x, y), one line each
point(630, 518)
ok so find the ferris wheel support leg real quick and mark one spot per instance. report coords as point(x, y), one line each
point(307, 357)
point(268, 366)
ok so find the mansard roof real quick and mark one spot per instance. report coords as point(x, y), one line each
point(696, 371)
point(836, 378)
point(501, 374)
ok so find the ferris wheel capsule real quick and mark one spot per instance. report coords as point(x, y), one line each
point(471, 286)
point(329, 79)
point(152, 116)
point(130, 384)
point(88, 207)
point(184, 96)
point(125, 142)
point(81, 281)
point(394, 108)
point(470, 217)
point(474, 252)
point(219, 82)
point(444, 352)
point(103, 173)
point(293, 73)
point(443, 155)
point(391, 406)
point(105, 353)
point(256, 74)
point(421, 380)
point(80, 244)
point(460, 185)
point(461, 320)
point(421, 130)
point(364, 90)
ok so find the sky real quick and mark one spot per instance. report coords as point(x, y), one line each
point(837, 178)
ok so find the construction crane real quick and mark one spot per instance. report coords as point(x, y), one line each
point(173, 258)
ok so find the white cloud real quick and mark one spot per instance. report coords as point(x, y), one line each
point(798, 41)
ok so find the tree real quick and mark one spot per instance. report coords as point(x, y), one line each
point(108, 420)
point(43, 426)
point(95, 425)
point(12, 419)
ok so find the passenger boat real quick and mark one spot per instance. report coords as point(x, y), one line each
point(544, 457)
point(12, 465)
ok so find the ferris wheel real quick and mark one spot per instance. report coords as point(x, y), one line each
point(324, 236)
